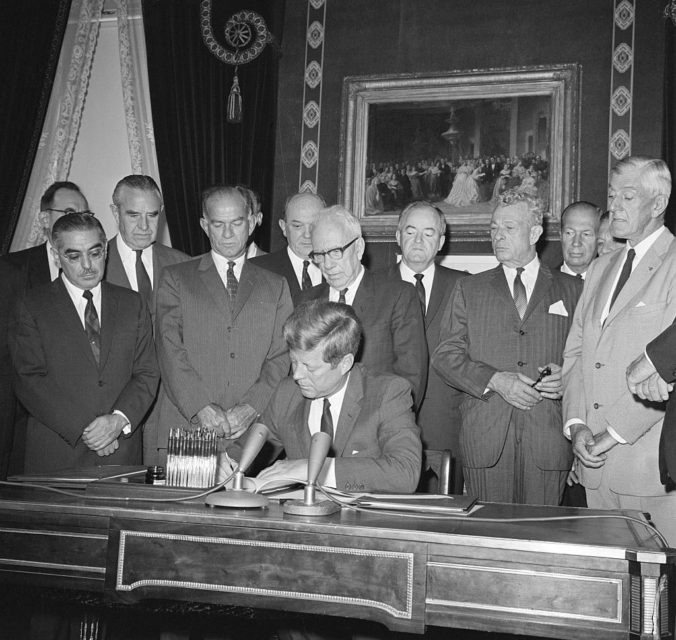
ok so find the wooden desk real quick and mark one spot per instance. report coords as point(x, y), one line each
point(595, 579)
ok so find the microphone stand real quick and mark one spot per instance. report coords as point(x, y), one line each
point(238, 497)
point(309, 506)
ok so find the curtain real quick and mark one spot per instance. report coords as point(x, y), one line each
point(189, 87)
point(669, 120)
point(62, 122)
point(31, 32)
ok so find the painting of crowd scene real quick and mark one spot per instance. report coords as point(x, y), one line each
point(459, 154)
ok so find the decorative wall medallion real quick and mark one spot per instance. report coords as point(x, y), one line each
point(624, 14)
point(315, 35)
point(620, 144)
point(310, 154)
point(311, 114)
point(313, 74)
point(622, 57)
point(621, 101)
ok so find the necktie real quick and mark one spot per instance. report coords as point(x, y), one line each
point(306, 281)
point(326, 425)
point(579, 275)
point(341, 295)
point(420, 288)
point(231, 281)
point(92, 325)
point(142, 279)
point(624, 276)
point(520, 299)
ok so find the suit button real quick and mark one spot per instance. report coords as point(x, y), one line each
point(520, 364)
point(596, 405)
point(232, 355)
point(100, 383)
point(522, 332)
point(598, 365)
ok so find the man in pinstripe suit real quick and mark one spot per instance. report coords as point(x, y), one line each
point(219, 327)
point(500, 330)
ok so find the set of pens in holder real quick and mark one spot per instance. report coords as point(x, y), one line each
point(191, 458)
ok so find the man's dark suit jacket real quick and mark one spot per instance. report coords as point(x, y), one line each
point(662, 353)
point(279, 262)
point(481, 334)
point(394, 329)
point(58, 381)
point(377, 444)
point(439, 415)
point(163, 256)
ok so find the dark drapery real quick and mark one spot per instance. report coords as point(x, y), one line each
point(189, 86)
point(31, 33)
point(669, 133)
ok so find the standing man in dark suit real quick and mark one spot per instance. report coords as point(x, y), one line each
point(389, 309)
point(293, 262)
point(135, 258)
point(376, 442)
point(84, 358)
point(26, 269)
point(421, 232)
point(501, 328)
point(219, 327)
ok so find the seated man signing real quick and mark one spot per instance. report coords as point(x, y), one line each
point(376, 442)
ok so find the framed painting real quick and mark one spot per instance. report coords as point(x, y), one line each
point(459, 139)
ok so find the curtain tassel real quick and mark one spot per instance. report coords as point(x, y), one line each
point(234, 111)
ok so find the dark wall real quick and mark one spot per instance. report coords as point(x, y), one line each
point(364, 37)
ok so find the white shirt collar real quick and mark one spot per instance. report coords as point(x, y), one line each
point(79, 301)
point(128, 259)
point(528, 277)
point(643, 246)
point(566, 269)
point(297, 264)
point(222, 266)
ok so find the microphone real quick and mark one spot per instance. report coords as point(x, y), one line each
point(238, 497)
point(309, 505)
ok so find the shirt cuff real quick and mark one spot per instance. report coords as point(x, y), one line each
point(650, 362)
point(569, 424)
point(126, 429)
point(616, 435)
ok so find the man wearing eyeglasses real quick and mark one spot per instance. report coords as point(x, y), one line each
point(84, 359)
point(24, 270)
point(389, 310)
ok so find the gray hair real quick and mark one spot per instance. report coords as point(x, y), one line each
point(655, 175)
point(516, 196)
point(423, 204)
point(338, 213)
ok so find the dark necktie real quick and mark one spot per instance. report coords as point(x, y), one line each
point(579, 275)
point(326, 425)
point(624, 276)
point(520, 299)
point(92, 325)
point(142, 278)
point(231, 281)
point(306, 280)
point(341, 296)
point(420, 288)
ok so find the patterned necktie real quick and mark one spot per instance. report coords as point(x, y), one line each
point(520, 299)
point(420, 288)
point(145, 288)
point(624, 276)
point(92, 325)
point(341, 296)
point(326, 425)
point(231, 281)
point(306, 280)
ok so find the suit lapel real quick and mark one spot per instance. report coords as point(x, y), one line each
point(245, 287)
point(108, 321)
point(350, 410)
point(364, 296)
point(606, 284)
point(114, 269)
point(542, 285)
point(436, 296)
point(499, 284)
point(213, 283)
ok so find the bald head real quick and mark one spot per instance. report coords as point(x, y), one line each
point(300, 214)
point(580, 222)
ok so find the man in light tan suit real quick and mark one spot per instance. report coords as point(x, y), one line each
point(219, 327)
point(628, 299)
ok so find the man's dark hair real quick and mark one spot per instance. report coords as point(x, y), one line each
point(333, 325)
point(135, 181)
point(77, 222)
point(47, 199)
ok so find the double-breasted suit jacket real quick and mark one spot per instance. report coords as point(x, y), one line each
point(482, 334)
point(212, 353)
point(598, 354)
point(394, 330)
point(62, 387)
point(377, 442)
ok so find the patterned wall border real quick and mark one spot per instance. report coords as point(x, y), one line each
point(312, 95)
point(621, 82)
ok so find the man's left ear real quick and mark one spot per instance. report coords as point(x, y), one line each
point(535, 232)
point(361, 245)
point(346, 363)
point(251, 221)
point(660, 204)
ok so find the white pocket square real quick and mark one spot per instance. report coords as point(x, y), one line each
point(640, 304)
point(559, 309)
point(354, 451)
